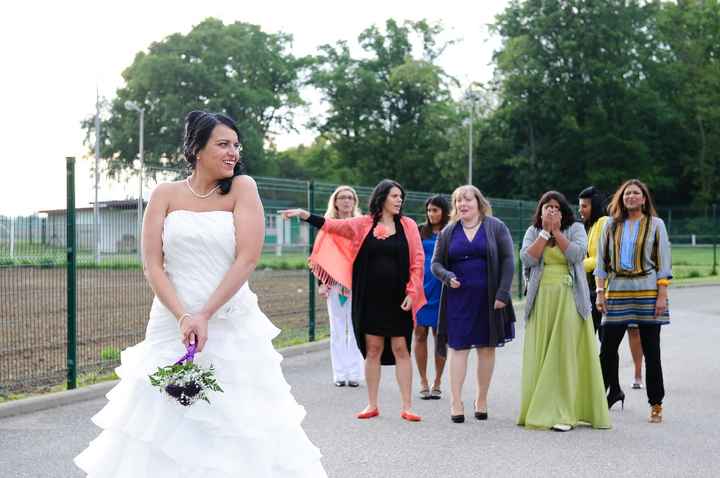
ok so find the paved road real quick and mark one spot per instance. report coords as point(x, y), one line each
point(688, 443)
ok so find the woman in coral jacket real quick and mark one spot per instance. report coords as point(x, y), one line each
point(379, 256)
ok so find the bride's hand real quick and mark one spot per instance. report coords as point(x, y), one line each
point(194, 330)
point(301, 213)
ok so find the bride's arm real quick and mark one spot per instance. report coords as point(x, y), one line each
point(249, 236)
point(152, 252)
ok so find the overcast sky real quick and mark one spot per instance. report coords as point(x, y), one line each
point(54, 55)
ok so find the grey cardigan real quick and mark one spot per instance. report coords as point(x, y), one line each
point(500, 267)
point(575, 253)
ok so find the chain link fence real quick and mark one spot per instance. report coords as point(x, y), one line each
point(113, 298)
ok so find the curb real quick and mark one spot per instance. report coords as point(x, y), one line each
point(58, 399)
point(690, 285)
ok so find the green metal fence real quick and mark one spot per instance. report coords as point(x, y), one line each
point(42, 344)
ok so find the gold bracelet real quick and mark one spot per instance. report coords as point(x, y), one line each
point(183, 317)
point(665, 282)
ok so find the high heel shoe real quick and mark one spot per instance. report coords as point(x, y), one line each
point(480, 415)
point(616, 396)
point(457, 418)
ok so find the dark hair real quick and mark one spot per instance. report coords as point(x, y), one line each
point(426, 229)
point(598, 204)
point(568, 216)
point(380, 194)
point(617, 207)
point(199, 125)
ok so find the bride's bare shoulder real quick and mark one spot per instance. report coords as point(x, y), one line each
point(167, 189)
point(244, 187)
point(244, 183)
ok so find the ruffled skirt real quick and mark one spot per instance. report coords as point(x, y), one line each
point(252, 429)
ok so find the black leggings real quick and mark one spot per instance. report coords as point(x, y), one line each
point(612, 335)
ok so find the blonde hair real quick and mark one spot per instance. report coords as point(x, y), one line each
point(483, 204)
point(332, 211)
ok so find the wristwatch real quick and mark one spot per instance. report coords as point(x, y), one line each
point(545, 235)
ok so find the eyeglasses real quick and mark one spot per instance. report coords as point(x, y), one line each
point(345, 198)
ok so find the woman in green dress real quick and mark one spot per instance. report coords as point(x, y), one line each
point(562, 384)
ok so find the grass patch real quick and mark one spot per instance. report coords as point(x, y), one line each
point(110, 354)
point(293, 261)
point(83, 380)
point(692, 262)
point(282, 342)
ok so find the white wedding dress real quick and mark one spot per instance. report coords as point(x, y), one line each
point(251, 430)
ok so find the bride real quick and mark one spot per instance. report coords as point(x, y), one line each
point(202, 238)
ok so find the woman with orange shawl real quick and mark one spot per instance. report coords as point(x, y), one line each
point(380, 258)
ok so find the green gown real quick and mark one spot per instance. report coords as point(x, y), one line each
point(561, 377)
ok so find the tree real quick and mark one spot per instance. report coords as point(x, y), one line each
point(234, 69)
point(389, 110)
point(576, 96)
point(690, 32)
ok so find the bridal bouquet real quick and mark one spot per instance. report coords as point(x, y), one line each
point(185, 381)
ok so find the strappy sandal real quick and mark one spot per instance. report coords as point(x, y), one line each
point(425, 394)
point(436, 394)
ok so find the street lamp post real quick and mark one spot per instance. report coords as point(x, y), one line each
point(96, 210)
point(132, 106)
point(470, 95)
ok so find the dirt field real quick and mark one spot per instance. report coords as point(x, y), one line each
point(112, 307)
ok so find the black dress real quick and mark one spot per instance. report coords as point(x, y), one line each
point(381, 272)
point(385, 288)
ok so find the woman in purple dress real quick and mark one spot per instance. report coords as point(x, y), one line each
point(474, 260)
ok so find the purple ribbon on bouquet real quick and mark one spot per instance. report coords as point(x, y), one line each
point(189, 356)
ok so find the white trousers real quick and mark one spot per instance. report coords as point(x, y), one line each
point(347, 361)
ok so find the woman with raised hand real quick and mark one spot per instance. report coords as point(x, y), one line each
point(474, 260)
point(347, 361)
point(202, 238)
point(379, 257)
point(633, 273)
point(437, 215)
point(561, 378)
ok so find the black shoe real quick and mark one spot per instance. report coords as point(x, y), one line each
point(615, 396)
point(340, 383)
point(480, 415)
point(353, 384)
point(457, 418)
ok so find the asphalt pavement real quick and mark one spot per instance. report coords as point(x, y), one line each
point(687, 444)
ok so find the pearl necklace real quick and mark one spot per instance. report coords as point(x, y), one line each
point(201, 196)
point(471, 227)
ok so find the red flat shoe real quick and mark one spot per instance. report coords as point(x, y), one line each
point(369, 414)
point(411, 417)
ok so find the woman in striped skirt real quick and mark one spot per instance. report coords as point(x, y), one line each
point(632, 275)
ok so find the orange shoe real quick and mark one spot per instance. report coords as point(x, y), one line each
point(368, 414)
point(410, 416)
